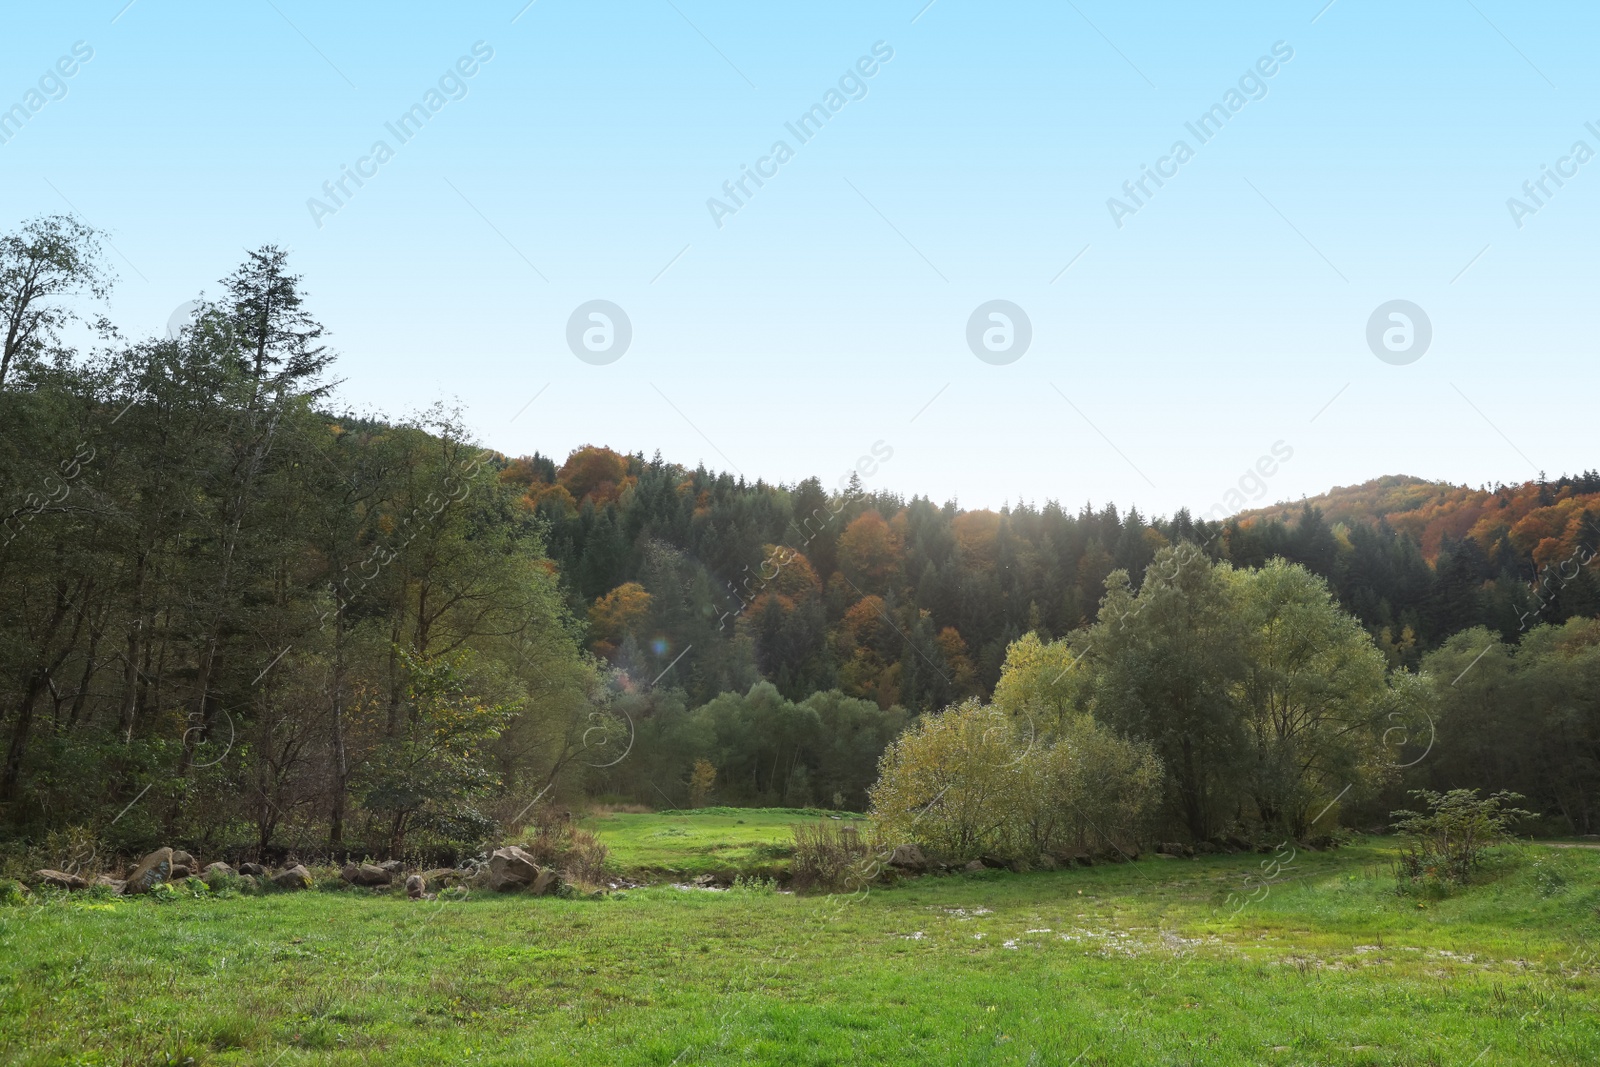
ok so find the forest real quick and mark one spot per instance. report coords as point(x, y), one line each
point(235, 614)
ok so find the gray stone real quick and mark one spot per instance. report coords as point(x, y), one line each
point(296, 877)
point(183, 859)
point(150, 872)
point(975, 866)
point(908, 858)
point(365, 874)
point(511, 869)
point(415, 886)
point(255, 870)
point(58, 879)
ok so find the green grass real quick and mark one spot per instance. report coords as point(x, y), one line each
point(716, 841)
point(1133, 964)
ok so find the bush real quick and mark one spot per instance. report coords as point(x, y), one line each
point(968, 782)
point(576, 853)
point(832, 858)
point(1449, 842)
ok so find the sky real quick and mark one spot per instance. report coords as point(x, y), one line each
point(1341, 270)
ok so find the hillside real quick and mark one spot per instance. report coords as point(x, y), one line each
point(1541, 521)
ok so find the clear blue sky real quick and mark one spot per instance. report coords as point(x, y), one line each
point(1227, 313)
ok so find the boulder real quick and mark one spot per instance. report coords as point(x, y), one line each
point(908, 858)
point(1173, 848)
point(365, 874)
point(415, 886)
point(546, 883)
point(181, 858)
point(149, 873)
point(1083, 859)
point(178, 873)
point(1234, 841)
point(391, 866)
point(296, 877)
point(1206, 848)
point(511, 869)
point(58, 879)
point(254, 870)
point(1047, 862)
point(115, 884)
point(215, 873)
point(975, 866)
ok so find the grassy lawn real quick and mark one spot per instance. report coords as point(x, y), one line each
point(716, 841)
point(1133, 964)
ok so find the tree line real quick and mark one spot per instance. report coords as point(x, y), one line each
point(233, 614)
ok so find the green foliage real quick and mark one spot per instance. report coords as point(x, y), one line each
point(433, 771)
point(975, 780)
point(1449, 840)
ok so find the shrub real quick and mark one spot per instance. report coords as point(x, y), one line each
point(1449, 841)
point(832, 858)
point(969, 782)
point(557, 842)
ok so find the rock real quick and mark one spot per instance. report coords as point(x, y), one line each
point(511, 869)
point(994, 862)
point(440, 877)
point(391, 866)
point(1047, 862)
point(414, 886)
point(908, 858)
point(1234, 841)
point(1173, 848)
point(216, 873)
point(365, 874)
point(974, 866)
point(254, 870)
point(115, 884)
point(1165, 856)
point(546, 883)
point(248, 881)
point(1206, 848)
point(150, 872)
point(296, 877)
point(183, 859)
point(1083, 859)
point(58, 879)
point(179, 872)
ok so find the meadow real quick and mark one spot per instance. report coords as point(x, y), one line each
point(1159, 961)
point(724, 843)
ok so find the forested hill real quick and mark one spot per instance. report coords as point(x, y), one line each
point(907, 601)
point(1540, 521)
